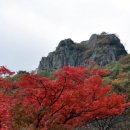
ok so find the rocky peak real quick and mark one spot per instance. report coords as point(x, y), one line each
point(65, 45)
point(102, 48)
point(67, 42)
point(103, 38)
point(110, 39)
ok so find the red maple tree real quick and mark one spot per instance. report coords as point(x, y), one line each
point(74, 98)
point(6, 88)
point(77, 96)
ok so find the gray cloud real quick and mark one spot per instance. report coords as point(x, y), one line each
point(30, 29)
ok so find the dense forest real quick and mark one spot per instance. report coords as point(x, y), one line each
point(87, 97)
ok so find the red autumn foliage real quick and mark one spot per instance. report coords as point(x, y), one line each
point(5, 98)
point(76, 97)
point(5, 71)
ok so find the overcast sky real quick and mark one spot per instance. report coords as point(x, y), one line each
point(30, 29)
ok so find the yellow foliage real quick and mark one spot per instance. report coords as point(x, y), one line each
point(117, 82)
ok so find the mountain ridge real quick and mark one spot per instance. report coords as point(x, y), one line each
point(101, 48)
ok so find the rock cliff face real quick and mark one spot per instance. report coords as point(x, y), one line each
point(102, 49)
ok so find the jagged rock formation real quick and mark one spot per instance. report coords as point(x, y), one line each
point(102, 49)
